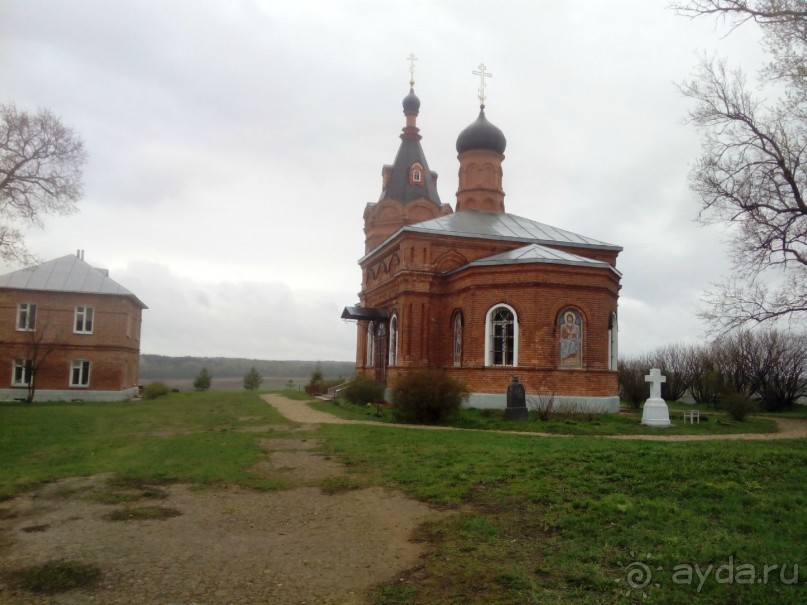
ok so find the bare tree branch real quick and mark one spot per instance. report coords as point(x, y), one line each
point(751, 174)
point(41, 163)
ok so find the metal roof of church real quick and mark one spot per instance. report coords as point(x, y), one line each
point(535, 253)
point(399, 186)
point(504, 226)
point(66, 274)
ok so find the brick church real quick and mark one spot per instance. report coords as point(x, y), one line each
point(484, 294)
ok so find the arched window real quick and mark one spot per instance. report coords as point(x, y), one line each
point(501, 336)
point(370, 348)
point(613, 341)
point(570, 328)
point(416, 174)
point(457, 339)
point(393, 341)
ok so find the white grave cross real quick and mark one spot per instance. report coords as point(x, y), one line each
point(655, 379)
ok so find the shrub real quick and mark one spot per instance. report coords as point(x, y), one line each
point(632, 386)
point(155, 389)
point(427, 396)
point(202, 380)
point(738, 406)
point(361, 391)
point(542, 405)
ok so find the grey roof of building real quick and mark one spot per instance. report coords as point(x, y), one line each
point(535, 253)
point(504, 226)
point(398, 187)
point(66, 274)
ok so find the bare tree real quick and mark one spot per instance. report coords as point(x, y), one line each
point(733, 356)
point(751, 174)
point(778, 362)
point(41, 163)
point(675, 362)
point(705, 377)
point(41, 344)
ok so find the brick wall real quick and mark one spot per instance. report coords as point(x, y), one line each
point(113, 347)
point(411, 277)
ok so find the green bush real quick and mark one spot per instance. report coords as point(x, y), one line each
point(155, 389)
point(361, 391)
point(738, 405)
point(427, 397)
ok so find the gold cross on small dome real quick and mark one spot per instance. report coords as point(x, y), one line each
point(411, 58)
point(482, 73)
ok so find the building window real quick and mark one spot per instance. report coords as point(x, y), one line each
point(570, 326)
point(370, 345)
point(613, 342)
point(83, 323)
point(393, 341)
point(22, 372)
point(416, 174)
point(26, 317)
point(501, 336)
point(457, 325)
point(80, 373)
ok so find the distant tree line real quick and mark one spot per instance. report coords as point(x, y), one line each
point(161, 367)
point(769, 366)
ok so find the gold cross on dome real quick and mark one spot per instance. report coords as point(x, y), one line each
point(482, 73)
point(411, 58)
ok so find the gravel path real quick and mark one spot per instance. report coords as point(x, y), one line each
point(228, 545)
point(300, 411)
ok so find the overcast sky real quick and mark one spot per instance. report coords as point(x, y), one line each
point(233, 146)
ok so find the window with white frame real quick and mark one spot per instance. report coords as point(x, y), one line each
point(83, 323)
point(501, 336)
point(26, 317)
point(416, 174)
point(613, 342)
point(80, 373)
point(370, 357)
point(457, 339)
point(22, 372)
point(393, 341)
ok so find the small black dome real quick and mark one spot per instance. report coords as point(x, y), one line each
point(481, 135)
point(411, 102)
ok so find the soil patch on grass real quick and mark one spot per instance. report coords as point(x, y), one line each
point(225, 544)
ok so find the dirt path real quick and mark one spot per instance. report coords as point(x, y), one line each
point(227, 545)
point(299, 411)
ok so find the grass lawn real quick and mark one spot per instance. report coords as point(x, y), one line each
point(184, 436)
point(567, 520)
point(536, 520)
point(625, 423)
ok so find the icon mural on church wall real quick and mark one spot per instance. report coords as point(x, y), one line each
point(571, 339)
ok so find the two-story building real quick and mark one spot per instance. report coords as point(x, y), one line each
point(68, 332)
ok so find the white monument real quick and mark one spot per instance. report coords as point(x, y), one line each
point(655, 411)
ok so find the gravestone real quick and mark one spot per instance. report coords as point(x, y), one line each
point(516, 402)
point(655, 411)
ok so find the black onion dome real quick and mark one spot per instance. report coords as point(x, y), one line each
point(481, 135)
point(411, 102)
